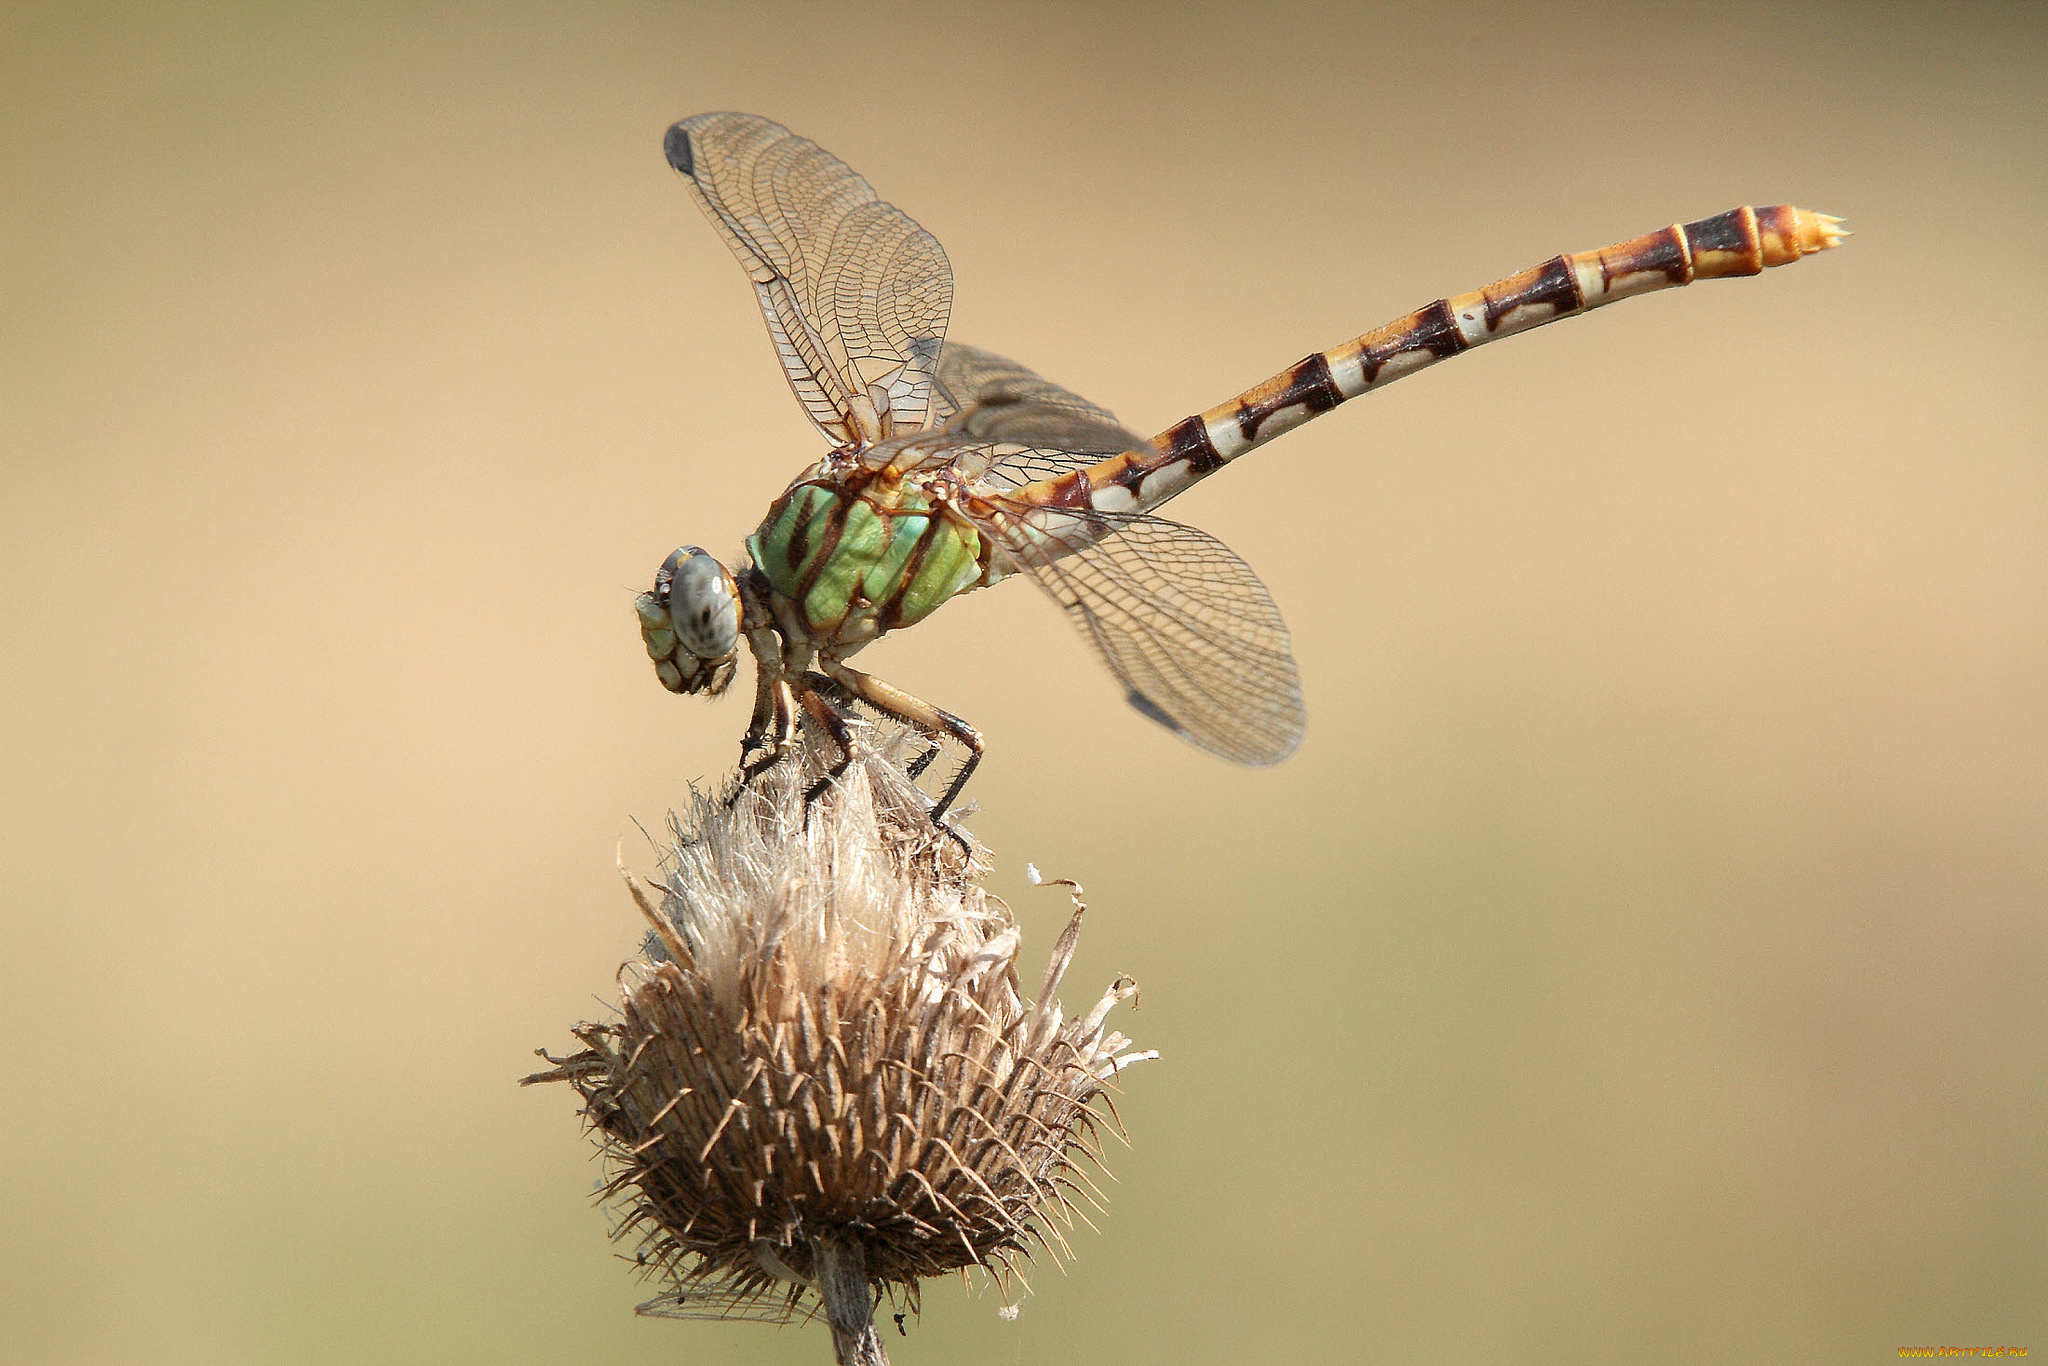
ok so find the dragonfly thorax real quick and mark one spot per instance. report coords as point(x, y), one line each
point(846, 559)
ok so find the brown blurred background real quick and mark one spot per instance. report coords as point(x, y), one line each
point(1644, 959)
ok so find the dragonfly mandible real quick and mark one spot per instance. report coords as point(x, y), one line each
point(952, 468)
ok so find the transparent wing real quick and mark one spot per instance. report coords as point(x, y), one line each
point(996, 399)
point(1005, 466)
point(1184, 624)
point(1011, 466)
point(855, 293)
point(1005, 426)
point(768, 1301)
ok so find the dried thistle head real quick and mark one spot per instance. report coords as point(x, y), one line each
point(824, 1065)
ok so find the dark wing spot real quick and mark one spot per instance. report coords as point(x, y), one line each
point(677, 146)
point(1145, 706)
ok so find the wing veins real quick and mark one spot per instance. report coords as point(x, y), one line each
point(1183, 624)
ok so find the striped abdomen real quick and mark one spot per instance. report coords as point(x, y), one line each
point(1741, 241)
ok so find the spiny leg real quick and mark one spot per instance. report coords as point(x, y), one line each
point(843, 697)
point(893, 701)
point(969, 737)
point(772, 730)
point(825, 714)
point(916, 767)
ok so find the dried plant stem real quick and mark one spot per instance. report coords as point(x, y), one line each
point(849, 1303)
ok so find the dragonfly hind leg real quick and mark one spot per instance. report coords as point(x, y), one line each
point(916, 767)
point(934, 722)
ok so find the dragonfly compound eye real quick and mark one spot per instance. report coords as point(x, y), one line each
point(703, 605)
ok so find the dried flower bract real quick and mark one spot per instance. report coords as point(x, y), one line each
point(824, 1065)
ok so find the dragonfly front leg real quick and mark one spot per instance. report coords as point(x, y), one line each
point(934, 722)
point(773, 729)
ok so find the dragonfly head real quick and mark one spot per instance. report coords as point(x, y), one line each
point(691, 622)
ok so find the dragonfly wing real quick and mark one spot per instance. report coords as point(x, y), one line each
point(1184, 624)
point(759, 1302)
point(1004, 466)
point(996, 399)
point(855, 293)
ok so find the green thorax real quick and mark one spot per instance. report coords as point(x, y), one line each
point(855, 561)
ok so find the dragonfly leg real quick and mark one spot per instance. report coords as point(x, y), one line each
point(916, 767)
point(971, 738)
point(772, 731)
point(938, 724)
point(825, 714)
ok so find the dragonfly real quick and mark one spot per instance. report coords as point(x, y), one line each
point(951, 468)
